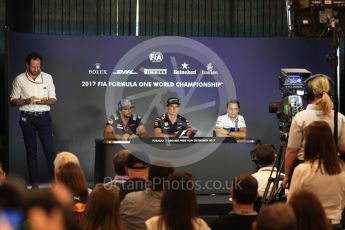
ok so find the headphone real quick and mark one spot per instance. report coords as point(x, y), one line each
point(255, 158)
point(309, 94)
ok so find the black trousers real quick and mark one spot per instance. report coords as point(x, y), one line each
point(31, 125)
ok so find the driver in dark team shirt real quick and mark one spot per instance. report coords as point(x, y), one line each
point(171, 123)
point(124, 124)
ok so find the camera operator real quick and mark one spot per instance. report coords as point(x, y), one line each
point(320, 108)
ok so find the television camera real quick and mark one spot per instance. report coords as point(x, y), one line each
point(313, 18)
point(292, 87)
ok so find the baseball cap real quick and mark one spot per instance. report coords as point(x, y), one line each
point(124, 104)
point(173, 100)
point(137, 157)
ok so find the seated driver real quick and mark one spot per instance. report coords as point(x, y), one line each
point(171, 123)
point(231, 124)
point(124, 124)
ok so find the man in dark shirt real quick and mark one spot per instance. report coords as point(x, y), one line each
point(171, 123)
point(124, 124)
point(137, 170)
point(243, 194)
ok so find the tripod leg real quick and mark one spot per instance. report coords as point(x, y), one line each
point(271, 190)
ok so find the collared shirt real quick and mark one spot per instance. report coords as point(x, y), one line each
point(119, 127)
point(304, 118)
point(137, 207)
point(330, 189)
point(24, 87)
point(262, 176)
point(226, 123)
point(168, 127)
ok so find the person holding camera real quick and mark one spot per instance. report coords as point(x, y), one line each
point(320, 108)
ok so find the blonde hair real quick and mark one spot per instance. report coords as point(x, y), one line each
point(320, 86)
point(64, 157)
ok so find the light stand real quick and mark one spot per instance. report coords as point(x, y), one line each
point(333, 58)
point(336, 33)
point(308, 19)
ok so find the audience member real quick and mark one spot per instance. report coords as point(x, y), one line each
point(139, 206)
point(178, 206)
point(62, 193)
point(309, 211)
point(137, 168)
point(278, 216)
point(44, 212)
point(264, 155)
point(322, 172)
point(2, 175)
point(119, 165)
point(73, 177)
point(243, 194)
point(12, 193)
point(12, 197)
point(102, 210)
point(63, 158)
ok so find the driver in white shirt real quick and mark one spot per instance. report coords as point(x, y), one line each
point(231, 124)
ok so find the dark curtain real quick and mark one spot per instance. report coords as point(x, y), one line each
point(161, 17)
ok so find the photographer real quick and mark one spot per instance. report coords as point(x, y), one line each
point(320, 108)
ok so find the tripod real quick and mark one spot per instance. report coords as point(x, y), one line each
point(273, 191)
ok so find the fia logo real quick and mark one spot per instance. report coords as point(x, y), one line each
point(156, 57)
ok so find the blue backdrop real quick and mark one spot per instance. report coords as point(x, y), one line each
point(91, 73)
